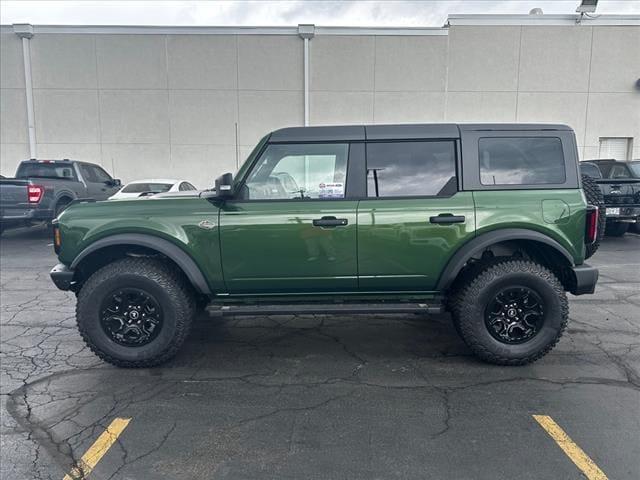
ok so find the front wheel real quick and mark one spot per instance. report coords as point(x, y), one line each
point(135, 312)
point(511, 313)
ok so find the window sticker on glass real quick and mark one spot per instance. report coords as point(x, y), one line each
point(331, 190)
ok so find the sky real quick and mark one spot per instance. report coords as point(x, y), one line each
point(399, 13)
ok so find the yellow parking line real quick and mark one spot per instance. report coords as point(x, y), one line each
point(98, 449)
point(573, 451)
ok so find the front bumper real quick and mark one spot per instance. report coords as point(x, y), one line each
point(62, 276)
point(584, 279)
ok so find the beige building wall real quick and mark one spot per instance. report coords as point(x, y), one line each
point(193, 105)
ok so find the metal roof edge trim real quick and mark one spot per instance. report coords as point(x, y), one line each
point(205, 30)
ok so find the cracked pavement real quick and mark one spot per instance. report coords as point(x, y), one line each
point(358, 397)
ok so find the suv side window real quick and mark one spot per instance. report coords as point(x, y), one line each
point(404, 169)
point(299, 171)
point(521, 161)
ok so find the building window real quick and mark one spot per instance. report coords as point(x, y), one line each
point(521, 161)
point(616, 148)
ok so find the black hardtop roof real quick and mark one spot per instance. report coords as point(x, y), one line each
point(399, 131)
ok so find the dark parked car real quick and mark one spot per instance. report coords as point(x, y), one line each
point(620, 185)
point(487, 221)
point(42, 189)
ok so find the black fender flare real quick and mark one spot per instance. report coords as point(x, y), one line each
point(165, 247)
point(63, 194)
point(484, 240)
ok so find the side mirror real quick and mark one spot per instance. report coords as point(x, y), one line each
point(117, 182)
point(224, 185)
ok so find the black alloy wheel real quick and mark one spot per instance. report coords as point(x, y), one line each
point(515, 315)
point(131, 317)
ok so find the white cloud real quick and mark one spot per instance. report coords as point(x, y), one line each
point(267, 13)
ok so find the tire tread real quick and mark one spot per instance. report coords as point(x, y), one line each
point(462, 305)
point(168, 278)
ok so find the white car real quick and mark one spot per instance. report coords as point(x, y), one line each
point(147, 188)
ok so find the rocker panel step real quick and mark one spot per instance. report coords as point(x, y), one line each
point(309, 309)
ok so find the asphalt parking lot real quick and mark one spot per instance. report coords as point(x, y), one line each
point(321, 397)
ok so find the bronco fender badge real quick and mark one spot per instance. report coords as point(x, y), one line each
point(207, 225)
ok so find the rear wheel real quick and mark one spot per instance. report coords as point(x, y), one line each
point(616, 229)
point(512, 312)
point(135, 312)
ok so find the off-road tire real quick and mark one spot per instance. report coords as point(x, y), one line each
point(594, 197)
point(468, 311)
point(165, 283)
point(616, 229)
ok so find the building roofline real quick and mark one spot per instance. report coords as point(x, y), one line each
point(544, 19)
point(213, 30)
point(452, 20)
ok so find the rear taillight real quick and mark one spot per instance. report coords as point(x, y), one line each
point(57, 240)
point(592, 224)
point(35, 193)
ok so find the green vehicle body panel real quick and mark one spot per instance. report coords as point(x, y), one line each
point(172, 219)
point(559, 214)
point(271, 246)
point(398, 247)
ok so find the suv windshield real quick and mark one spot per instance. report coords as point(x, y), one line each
point(46, 170)
point(146, 187)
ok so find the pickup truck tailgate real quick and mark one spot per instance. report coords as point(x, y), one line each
point(621, 197)
point(13, 197)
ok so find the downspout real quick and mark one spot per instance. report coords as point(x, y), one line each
point(306, 32)
point(25, 32)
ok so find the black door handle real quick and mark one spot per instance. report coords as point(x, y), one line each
point(330, 222)
point(447, 218)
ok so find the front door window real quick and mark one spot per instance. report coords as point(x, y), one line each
point(298, 172)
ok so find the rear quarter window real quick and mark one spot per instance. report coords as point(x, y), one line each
point(521, 161)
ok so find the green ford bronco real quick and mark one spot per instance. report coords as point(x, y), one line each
point(487, 221)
